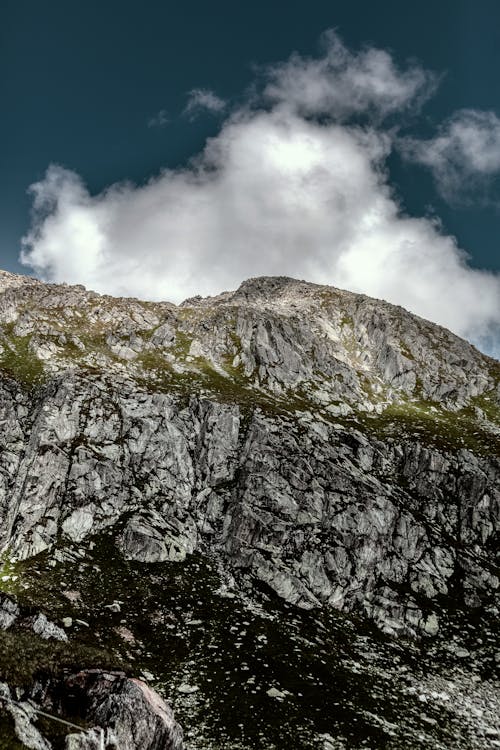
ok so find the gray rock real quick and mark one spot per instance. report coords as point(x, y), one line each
point(24, 717)
point(47, 629)
point(186, 689)
point(133, 716)
point(90, 740)
point(275, 693)
point(9, 612)
point(311, 437)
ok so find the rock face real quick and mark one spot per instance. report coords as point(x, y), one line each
point(123, 712)
point(128, 711)
point(11, 614)
point(335, 448)
point(342, 450)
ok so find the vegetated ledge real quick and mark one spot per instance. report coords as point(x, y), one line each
point(475, 427)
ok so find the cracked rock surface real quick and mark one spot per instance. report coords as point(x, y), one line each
point(329, 449)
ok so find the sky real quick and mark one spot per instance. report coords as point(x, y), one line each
point(162, 150)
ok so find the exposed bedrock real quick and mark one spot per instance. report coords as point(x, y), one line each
point(322, 513)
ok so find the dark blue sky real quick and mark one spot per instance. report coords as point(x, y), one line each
point(79, 82)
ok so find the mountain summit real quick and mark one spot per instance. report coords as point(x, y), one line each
point(289, 490)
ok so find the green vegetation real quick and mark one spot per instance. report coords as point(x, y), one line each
point(405, 351)
point(433, 426)
point(347, 321)
point(182, 344)
point(202, 379)
point(489, 404)
point(19, 361)
point(24, 656)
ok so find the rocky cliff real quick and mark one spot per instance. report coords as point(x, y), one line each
point(292, 451)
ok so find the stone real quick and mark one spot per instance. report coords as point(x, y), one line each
point(186, 689)
point(25, 718)
point(132, 715)
point(275, 693)
point(47, 629)
point(431, 626)
point(9, 612)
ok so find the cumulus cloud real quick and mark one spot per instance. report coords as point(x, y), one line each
point(203, 100)
point(341, 83)
point(464, 155)
point(275, 192)
point(159, 120)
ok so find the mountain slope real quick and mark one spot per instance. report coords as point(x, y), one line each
point(296, 439)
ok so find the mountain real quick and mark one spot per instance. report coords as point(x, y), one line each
point(278, 506)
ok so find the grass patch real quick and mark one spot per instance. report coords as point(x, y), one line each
point(442, 429)
point(182, 345)
point(19, 361)
point(25, 656)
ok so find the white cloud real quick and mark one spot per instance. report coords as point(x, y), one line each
point(159, 120)
point(200, 100)
point(273, 193)
point(341, 83)
point(464, 155)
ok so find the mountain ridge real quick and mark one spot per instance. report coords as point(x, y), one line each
point(285, 445)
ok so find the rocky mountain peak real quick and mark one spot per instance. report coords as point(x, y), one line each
point(273, 288)
point(275, 501)
point(273, 334)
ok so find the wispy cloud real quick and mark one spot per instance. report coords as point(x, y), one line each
point(159, 120)
point(290, 185)
point(463, 156)
point(341, 83)
point(203, 100)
